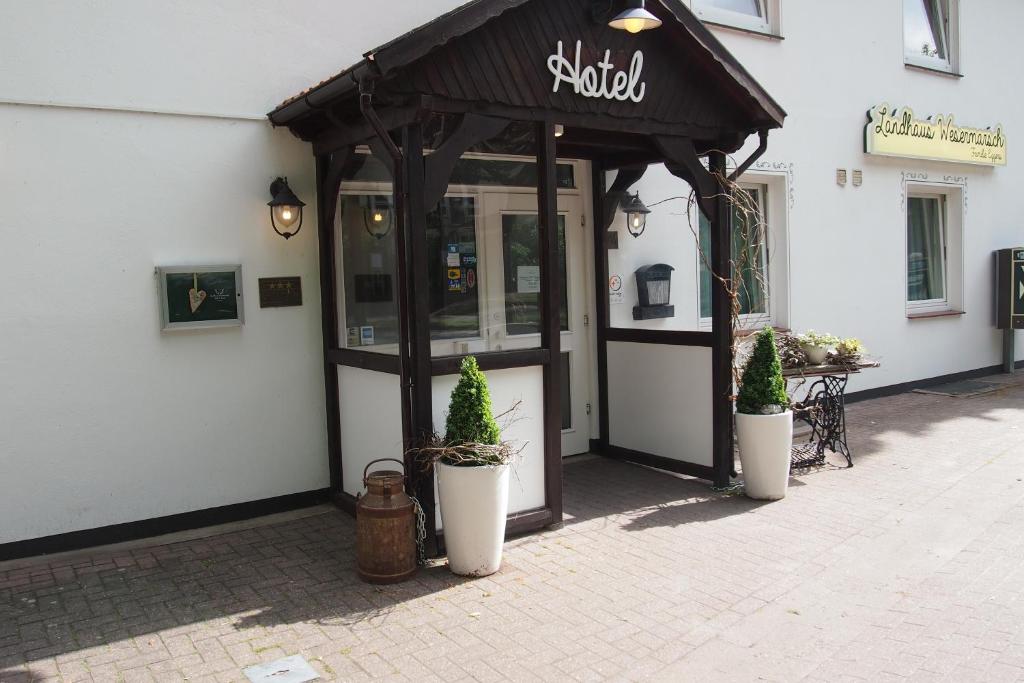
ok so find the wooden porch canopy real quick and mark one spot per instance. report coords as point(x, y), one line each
point(483, 66)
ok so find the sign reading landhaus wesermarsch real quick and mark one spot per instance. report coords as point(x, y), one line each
point(1010, 289)
point(896, 133)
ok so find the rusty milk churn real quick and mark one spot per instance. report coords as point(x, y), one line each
point(385, 527)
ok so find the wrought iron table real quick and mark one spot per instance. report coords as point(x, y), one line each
point(824, 410)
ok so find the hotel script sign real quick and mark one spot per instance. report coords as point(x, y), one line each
point(896, 133)
point(591, 81)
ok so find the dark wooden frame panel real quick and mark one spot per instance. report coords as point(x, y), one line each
point(428, 72)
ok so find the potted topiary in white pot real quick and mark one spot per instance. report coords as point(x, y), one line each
point(472, 477)
point(764, 423)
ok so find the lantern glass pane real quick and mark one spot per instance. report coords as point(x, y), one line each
point(286, 216)
point(657, 292)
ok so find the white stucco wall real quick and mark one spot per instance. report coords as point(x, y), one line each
point(104, 418)
point(107, 420)
point(846, 245)
point(525, 430)
point(659, 400)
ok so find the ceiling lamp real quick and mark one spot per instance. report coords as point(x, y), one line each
point(635, 18)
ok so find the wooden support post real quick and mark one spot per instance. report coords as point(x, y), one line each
point(420, 376)
point(326, 203)
point(721, 325)
point(550, 306)
point(602, 221)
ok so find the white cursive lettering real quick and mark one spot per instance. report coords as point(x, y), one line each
point(594, 82)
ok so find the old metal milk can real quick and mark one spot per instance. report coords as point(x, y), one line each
point(385, 527)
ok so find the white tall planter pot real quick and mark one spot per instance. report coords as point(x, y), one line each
point(474, 505)
point(765, 445)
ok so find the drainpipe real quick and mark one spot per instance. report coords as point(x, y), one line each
point(401, 252)
point(761, 148)
point(370, 114)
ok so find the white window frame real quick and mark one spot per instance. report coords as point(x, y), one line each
point(769, 23)
point(952, 219)
point(912, 55)
point(772, 188)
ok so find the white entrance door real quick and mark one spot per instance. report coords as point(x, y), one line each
point(512, 248)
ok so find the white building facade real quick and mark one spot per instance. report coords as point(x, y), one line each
point(133, 136)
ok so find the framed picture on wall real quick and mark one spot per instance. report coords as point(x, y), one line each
point(196, 297)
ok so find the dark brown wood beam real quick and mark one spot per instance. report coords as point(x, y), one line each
point(493, 360)
point(551, 298)
point(328, 183)
point(420, 377)
point(357, 131)
point(721, 325)
point(682, 161)
point(472, 130)
point(365, 360)
point(663, 337)
point(601, 222)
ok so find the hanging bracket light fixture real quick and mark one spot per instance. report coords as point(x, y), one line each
point(378, 216)
point(285, 209)
point(636, 215)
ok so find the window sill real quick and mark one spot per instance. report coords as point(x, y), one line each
point(742, 29)
point(933, 70)
point(924, 315)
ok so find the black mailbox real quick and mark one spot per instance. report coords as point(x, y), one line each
point(1010, 289)
point(653, 286)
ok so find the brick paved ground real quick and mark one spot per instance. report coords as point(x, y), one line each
point(908, 566)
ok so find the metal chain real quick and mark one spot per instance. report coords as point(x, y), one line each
point(421, 532)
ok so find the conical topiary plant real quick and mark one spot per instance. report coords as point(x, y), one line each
point(470, 420)
point(762, 386)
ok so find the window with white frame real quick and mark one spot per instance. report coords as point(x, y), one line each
point(930, 34)
point(750, 255)
point(934, 249)
point(753, 15)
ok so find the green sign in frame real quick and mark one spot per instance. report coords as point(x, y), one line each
point(195, 297)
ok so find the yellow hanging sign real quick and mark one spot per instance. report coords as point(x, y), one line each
point(896, 133)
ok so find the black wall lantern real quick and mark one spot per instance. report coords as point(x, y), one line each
point(285, 209)
point(378, 216)
point(636, 215)
point(653, 286)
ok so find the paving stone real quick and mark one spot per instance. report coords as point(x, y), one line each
point(909, 567)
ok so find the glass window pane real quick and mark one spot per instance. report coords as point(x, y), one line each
point(750, 7)
point(749, 252)
point(453, 270)
point(749, 255)
point(925, 257)
point(704, 256)
point(468, 171)
point(368, 272)
point(924, 27)
point(508, 173)
point(520, 250)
